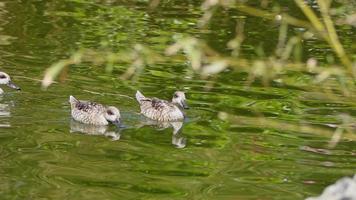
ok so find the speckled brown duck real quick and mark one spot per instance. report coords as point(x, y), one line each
point(162, 110)
point(94, 113)
point(6, 80)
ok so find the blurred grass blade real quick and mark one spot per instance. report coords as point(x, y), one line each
point(53, 71)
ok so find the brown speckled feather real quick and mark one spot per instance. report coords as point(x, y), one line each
point(89, 106)
point(158, 109)
point(88, 112)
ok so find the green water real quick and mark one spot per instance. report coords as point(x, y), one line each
point(44, 155)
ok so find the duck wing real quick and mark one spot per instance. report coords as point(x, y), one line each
point(159, 104)
point(89, 107)
point(161, 110)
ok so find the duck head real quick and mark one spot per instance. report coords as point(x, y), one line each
point(5, 80)
point(179, 98)
point(112, 114)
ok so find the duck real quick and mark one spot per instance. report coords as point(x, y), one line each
point(6, 80)
point(162, 110)
point(94, 113)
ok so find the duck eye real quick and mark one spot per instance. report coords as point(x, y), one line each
point(110, 112)
point(175, 96)
point(2, 76)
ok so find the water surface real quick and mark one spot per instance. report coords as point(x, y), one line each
point(46, 156)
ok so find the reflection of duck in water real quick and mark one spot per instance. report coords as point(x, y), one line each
point(4, 108)
point(4, 112)
point(166, 114)
point(6, 80)
point(93, 113)
point(161, 110)
point(177, 139)
point(93, 130)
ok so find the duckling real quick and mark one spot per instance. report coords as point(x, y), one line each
point(6, 80)
point(162, 110)
point(94, 113)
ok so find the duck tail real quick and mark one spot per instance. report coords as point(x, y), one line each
point(72, 100)
point(139, 96)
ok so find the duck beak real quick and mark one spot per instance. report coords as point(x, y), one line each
point(184, 105)
point(13, 86)
point(118, 124)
